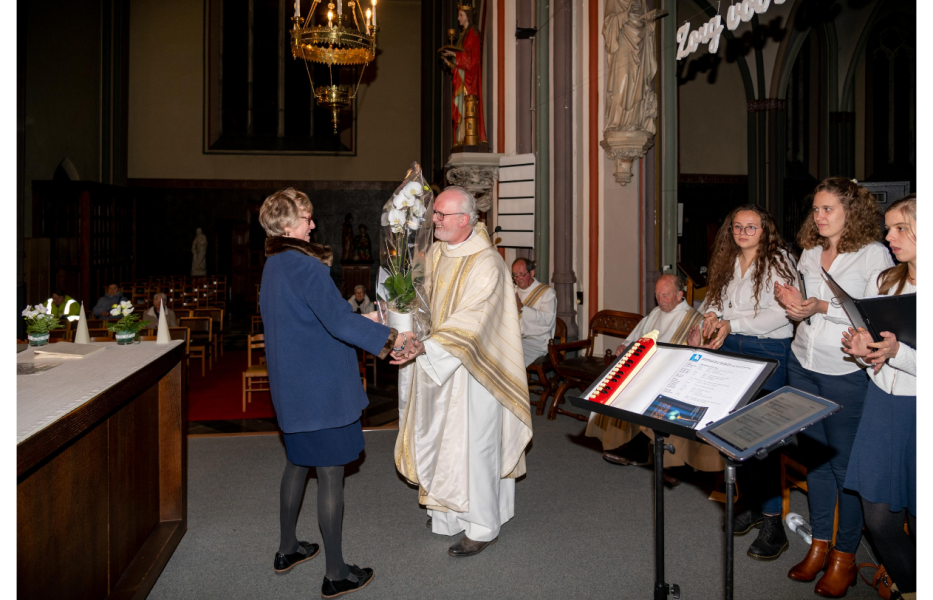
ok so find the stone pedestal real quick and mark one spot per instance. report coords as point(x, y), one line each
point(624, 147)
point(477, 172)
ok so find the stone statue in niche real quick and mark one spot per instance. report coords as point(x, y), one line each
point(199, 253)
point(631, 104)
point(364, 246)
point(348, 249)
point(465, 61)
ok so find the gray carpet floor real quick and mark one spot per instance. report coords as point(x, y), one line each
point(583, 529)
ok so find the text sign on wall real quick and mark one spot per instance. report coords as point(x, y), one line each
point(740, 12)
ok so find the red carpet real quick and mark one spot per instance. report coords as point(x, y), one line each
point(218, 396)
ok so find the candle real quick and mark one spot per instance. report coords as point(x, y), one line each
point(330, 16)
point(374, 13)
point(297, 12)
point(339, 7)
point(369, 16)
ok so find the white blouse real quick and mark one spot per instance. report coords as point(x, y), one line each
point(898, 376)
point(738, 307)
point(818, 345)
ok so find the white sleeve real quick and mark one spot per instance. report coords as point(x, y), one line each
point(905, 360)
point(875, 261)
point(438, 364)
point(541, 318)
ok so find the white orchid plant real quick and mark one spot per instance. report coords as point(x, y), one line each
point(129, 322)
point(39, 320)
point(406, 237)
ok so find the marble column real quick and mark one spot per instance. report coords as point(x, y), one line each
point(564, 277)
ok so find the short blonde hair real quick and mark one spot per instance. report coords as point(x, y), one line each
point(282, 209)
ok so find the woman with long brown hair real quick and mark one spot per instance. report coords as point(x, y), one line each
point(741, 315)
point(842, 238)
point(883, 464)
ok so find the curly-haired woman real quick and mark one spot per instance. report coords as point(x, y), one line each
point(749, 258)
point(842, 237)
point(883, 465)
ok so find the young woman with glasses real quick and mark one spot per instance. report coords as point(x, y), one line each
point(841, 237)
point(741, 315)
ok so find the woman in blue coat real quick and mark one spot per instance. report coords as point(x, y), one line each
point(310, 334)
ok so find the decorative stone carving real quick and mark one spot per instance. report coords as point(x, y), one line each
point(477, 172)
point(631, 104)
point(624, 147)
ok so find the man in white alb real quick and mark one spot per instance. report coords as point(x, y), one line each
point(464, 416)
point(624, 444)
point(537, 309)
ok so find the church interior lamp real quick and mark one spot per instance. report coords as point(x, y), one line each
point(348, 38)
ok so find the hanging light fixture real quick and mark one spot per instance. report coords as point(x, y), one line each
point(338, 43)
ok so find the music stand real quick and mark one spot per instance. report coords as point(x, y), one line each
point(664, 428)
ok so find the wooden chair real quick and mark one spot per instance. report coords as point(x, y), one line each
point(581, 371)
point(200, 339)
point(181, 333)
point(148, 338)
point(255, 377)
point(541, 366)
point(103, 332)
point(95, 323)
point(101, 339)
point(216, 316)
point(369, 360)
point(255, 322)
point(794, 475)
point(182, 312)
point(58, 335)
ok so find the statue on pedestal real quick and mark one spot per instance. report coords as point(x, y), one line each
point(631, 104)
point(465, 62)
point(199, 253)
point(364, 246)
point(347, 238)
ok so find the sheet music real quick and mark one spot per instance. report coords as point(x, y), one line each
point(703, 379)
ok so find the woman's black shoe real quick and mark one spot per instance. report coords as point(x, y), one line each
point(772, 540)
point(332, 589)
point(284, 562)
point(745, 520)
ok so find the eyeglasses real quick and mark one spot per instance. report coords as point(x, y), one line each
point(518, 275)
point(308, 219)
point(441, 216)
point(748, 229)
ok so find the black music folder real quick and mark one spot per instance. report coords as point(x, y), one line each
point(897, 314)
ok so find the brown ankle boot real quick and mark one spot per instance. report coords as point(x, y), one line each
point(813, 562)
point(839, 576)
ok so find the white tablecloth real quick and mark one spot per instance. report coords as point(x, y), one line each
point(43, 398)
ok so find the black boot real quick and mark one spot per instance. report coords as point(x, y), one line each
point(745, 520)
point(772, 540)
point(636, 452)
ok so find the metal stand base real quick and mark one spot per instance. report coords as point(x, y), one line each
point(661, 588)
point(730, 514)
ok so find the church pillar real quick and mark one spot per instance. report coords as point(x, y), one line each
point(563, 278)
point(524, 78)
point(542, 145)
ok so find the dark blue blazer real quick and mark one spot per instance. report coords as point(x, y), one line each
point(310, 332)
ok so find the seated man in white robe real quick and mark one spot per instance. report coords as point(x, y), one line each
point(625, 444)
point(360, 302)
point(464, 415)
point(537, 309)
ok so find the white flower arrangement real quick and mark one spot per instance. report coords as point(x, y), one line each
point(128, 323)
point(39, 320)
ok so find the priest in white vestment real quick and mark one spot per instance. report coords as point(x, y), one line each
point(675, 321)
point(537, 309)
point(464, 414)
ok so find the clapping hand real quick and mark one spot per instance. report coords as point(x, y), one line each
point(710, 323)
point(787, 294)
point(885, 349)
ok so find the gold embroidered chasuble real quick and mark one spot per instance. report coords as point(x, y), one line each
point(474, 319)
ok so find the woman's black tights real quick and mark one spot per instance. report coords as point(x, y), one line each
point(896, 549)
point(329, 513)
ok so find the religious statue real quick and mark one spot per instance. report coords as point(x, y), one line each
point(364, 246)
point(347, 238)
point(465, 62)
point(631, 104)
point(199, 253)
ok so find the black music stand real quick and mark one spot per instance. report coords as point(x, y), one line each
point(662, 429)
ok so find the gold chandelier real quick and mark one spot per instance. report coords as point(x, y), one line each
point(336, 43)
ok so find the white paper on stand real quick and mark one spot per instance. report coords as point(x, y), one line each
point(81, 334)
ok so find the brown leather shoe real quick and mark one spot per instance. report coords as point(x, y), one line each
point(813, 562)
point(467, 547)
point(839, 576)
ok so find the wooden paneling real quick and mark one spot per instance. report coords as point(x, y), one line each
point(61, 526)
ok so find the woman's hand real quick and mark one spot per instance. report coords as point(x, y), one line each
point(695, 337)
point(786, 295)
point(710, 320)
point(855, 342)
point(885, 349)
point(806, 308)
point(723, 329)
point(413, 348)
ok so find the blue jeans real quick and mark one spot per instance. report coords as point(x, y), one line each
point(826, 446)
point(761, 480)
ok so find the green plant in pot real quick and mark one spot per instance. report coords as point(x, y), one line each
point(127, 329)
point(39, 322)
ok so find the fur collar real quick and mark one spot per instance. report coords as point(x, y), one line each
point(279, 244)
